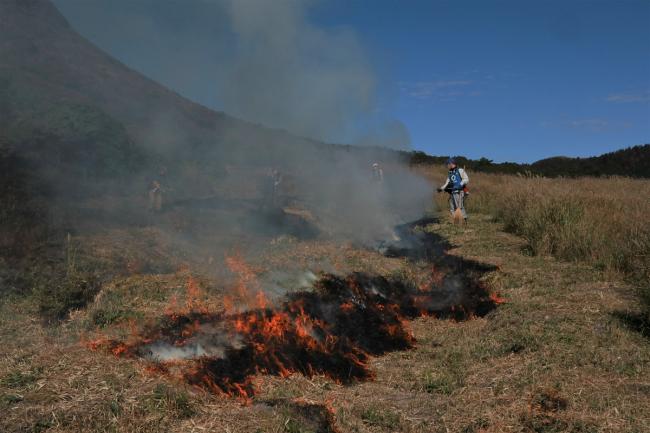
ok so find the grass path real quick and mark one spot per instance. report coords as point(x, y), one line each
point(553, 358)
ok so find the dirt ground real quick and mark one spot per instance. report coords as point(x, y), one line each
point(556, 356)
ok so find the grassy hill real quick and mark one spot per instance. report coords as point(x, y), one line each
point(83, 137)
point(100, 116)
point(46, 63)
point(632, 162)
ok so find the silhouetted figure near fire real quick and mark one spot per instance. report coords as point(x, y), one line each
point(155, 197)
point(276, 178)
point(271, 189)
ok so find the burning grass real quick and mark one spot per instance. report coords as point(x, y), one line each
point(333, 331)
point(551, 359)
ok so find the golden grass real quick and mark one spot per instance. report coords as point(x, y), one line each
point(603, 221)
point(554, 358)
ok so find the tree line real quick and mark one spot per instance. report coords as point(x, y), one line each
point(630, 162)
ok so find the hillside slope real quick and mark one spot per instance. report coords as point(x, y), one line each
point(89, 138)
point(48, 71)
point(632, 161)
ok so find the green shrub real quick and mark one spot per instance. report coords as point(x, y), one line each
point(166, 399)
point(11, 399)
point(644, 294)
point(108, 316)
point(441, 384)
point(380, 418)
point(20, 379)
point(57, 297)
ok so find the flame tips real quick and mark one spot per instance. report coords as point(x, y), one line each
point(496, 298)
point(332, 332)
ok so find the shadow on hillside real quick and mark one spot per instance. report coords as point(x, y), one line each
point(636, 322)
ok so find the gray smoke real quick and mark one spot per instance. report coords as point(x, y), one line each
point(276, 68)
point(391, 134)
point(243, 56)
point(290, 74)
point(212, 341)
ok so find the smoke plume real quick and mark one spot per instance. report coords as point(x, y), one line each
point(216, 181)
point(288, 73)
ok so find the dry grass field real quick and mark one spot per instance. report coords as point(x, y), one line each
point(600, 221)
point(561, 351)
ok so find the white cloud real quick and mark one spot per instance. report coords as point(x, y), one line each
point(589, 125)
point(441, 90)
point(629, 97)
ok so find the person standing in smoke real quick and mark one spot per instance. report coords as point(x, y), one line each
point(271, 190)
point(156, 190)
point(155, 197)
point(377, 173)
point(456, 185)
point(379, 194)
point(276, 179)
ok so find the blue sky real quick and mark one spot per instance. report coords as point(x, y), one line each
point(511, 80)
point(508, 80)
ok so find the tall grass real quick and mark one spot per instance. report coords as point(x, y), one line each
point(602, 221)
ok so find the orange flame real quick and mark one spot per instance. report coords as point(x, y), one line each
point(319, 332)
point(496, 298)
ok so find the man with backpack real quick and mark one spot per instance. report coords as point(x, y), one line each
point(456, 186)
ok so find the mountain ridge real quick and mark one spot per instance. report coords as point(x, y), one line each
point(42, 54)
point(633, 161)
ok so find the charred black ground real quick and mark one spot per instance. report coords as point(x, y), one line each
point(332, 330)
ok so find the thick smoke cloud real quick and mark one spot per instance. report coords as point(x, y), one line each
point(321, 78)
point(217, 173)
point(244, 56)
point(391, 134)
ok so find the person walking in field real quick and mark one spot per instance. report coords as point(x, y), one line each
point(456, 186)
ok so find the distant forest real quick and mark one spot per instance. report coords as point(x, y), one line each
point(631, 162)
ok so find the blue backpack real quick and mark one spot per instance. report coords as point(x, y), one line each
point(455, 180)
